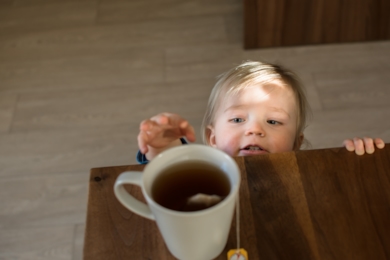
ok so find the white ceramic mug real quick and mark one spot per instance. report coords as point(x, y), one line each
point(196, 235)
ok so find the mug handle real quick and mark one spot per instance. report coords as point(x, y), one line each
point(128, 200)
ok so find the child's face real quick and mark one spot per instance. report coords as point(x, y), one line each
point(258, 120)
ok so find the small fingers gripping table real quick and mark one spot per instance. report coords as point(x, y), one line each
point(317, 204)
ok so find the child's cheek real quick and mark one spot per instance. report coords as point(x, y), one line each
point(229, 146)
point(283, 144)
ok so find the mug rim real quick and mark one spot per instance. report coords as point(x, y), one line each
point(233, 189)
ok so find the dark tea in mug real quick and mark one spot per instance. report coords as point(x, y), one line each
point(174, 187)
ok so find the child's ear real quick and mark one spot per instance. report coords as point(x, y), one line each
point(299, 142)
point(210, 135)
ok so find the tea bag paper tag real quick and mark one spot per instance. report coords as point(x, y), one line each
point(237, 254)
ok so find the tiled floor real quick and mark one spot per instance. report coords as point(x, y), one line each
point(77, 77)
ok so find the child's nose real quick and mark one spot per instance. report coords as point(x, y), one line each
point(255, 129)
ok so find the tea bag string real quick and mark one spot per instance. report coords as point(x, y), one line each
point(238, 253)
point(238, 221)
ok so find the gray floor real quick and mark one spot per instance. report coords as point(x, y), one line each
point(77, 77)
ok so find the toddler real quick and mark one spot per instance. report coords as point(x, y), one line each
point(254, 108)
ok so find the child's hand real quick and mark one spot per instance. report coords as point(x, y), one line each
point(163, 131)
point(365, 145)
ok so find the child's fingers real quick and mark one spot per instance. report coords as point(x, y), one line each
point(142, 142)
point(177, 126)
point(174, 120)
point(147, 125)
point(166, 121)
point(365, 145)
point(348, 143)
point(359, 146)
point(161, 119)
point(369, 145)
point(153, 128)
point(379, 143)
point(188, 131)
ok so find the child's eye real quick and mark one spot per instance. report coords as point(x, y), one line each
point(237, 120)
point(272, 122)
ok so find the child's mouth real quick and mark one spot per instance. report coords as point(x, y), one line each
point(253, 149)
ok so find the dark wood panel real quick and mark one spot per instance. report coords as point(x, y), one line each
point(303, 22)
point(340, 202)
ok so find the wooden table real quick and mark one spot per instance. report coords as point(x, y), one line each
point(317, 204)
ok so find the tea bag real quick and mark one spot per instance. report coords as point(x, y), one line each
point(201, 200)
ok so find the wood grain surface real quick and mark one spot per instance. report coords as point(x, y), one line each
point(302, 22)
point(318, 204)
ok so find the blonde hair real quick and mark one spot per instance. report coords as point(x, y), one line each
point(251, 73)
